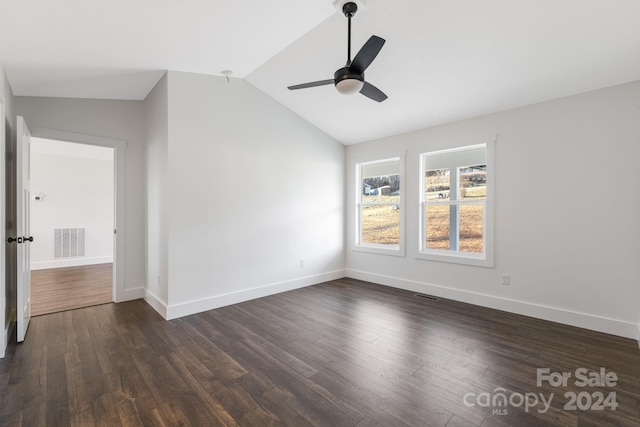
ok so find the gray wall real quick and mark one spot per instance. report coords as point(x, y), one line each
point(566, 212)
point(156, 124)
point(249, 190)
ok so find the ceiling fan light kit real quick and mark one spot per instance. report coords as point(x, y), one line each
point(350, 78)
point(347, 82)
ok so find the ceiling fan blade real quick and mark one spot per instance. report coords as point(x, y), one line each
point(311, 84)
point(370, 91)
point(367, 54)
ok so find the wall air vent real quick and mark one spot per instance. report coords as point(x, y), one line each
point(68, 242)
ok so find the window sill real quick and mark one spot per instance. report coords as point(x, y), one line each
point(393, 250)
point(457, 258)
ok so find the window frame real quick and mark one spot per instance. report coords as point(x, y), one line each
point(484, 259)
point(358, 245)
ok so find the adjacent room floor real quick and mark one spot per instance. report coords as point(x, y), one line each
point(343, 353)
point(60, 289)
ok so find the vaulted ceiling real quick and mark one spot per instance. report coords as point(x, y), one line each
point(443, 60)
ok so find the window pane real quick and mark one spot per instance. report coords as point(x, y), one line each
point(383, 168)
point(437, 184)
point(437, 227)
point(379, 201)
point(381, 225)
point(472, 182)
point(455, 204)
point(471, 228)
point(381, 189)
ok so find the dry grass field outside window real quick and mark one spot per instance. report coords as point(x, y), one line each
point(470, 228)
point(381, 223)
point(381, 215)
point(471, 221)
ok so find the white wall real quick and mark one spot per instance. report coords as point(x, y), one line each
point(251, 189)
point(118, 120)
point(566, 212)
point(77, 187)
point(156, 116)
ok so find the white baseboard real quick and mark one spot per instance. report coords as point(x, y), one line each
point(192, 307)
point(553, 314)
point(638, 335)
point(70, 262)
point(130, 294)
point(143, 293)
point(156, 303)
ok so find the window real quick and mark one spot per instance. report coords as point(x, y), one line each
point(379, 206)
point(455, 196)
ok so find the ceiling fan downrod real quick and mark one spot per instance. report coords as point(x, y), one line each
point(349, 9)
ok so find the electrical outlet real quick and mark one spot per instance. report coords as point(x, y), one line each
point(301, 262)
point(506, 279)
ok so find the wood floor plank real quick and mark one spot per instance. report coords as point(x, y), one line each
point(342, 353)
point(57, 400)
point(60, 289)
point(217, 414)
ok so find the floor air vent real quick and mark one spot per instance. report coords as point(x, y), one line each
point(429, 297)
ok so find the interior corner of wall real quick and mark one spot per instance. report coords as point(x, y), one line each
point(156, 303)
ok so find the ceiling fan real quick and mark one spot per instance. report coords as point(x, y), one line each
point(350, 78)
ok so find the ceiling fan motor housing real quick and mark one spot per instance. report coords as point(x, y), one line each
point(347, 81)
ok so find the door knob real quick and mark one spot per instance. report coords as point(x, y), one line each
point(28, 239)
point(11, 240)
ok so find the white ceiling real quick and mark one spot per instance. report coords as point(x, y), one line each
point(119, 49)
point(443, 60)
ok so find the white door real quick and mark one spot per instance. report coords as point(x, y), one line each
point(3, 223)
point(23, 202)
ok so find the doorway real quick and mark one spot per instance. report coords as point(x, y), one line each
point(72, 222)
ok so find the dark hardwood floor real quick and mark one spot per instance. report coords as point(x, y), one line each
point(343, 353)
point(60, 289)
